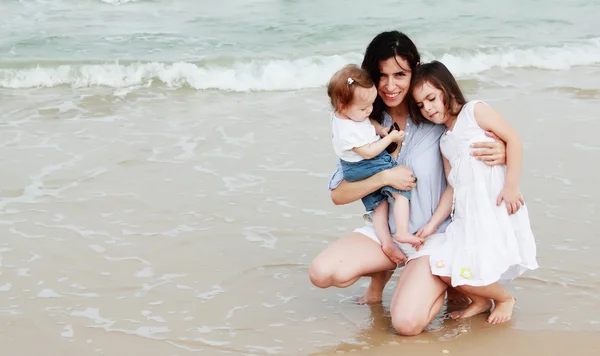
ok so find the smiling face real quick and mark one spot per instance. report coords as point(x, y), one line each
point(430, 100)
point(394, 80)
point(361, 105)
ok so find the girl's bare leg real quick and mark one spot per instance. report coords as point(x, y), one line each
point(482, 297)
point(455, 297)
point(349, 258)
point(418, 298)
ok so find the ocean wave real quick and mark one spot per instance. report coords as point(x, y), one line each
point(258, 75)
point(276, 74)
point(548, 58)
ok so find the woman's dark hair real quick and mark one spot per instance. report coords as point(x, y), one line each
point(384, 46)
point(436, 74)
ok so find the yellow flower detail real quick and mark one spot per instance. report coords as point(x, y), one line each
point(440, 264)
point(466, 273)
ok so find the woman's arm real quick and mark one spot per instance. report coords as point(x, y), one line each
point(399, 177)
point(491, 153)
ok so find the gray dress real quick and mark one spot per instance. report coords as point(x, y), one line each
point(421, 153)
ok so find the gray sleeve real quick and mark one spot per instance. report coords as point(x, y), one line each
point(336, 177)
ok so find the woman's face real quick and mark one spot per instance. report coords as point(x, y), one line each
point(394, 80)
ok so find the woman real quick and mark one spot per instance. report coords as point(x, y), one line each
point(390, 59)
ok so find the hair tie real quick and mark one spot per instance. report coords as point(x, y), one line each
point(350, 81)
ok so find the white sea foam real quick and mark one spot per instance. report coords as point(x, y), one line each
point(261, 234)
point(48, 293)
point(118, 2)
point(284, 74)
point(215, 291)
point(67, 332)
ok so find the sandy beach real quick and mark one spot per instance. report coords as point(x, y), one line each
point(164, 170)
point(159, 227)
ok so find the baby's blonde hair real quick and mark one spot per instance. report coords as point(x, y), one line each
point(343, 83)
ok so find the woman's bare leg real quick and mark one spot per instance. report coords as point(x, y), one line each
point(349, 258)
point(418, 298)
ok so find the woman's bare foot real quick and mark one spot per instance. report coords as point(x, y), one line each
point(457, 298)
point(374, 293)
point(478, 306)
point(502, 311)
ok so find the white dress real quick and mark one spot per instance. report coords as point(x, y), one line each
point(483, 243)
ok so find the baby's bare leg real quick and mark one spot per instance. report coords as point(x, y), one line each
point(401, 212)
point(380, 223)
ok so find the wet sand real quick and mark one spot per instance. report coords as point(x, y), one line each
point(184, 222)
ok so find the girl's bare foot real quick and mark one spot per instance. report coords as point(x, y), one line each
point(374, 293)
point(479, 305)
point(503, 311)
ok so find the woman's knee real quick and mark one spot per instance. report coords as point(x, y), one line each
point(407, 325)
point(320, 276)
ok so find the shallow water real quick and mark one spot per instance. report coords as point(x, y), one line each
point(164, 183)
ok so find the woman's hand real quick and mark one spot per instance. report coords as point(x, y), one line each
point(491, 153)
point(393, 253)
point(399, 177)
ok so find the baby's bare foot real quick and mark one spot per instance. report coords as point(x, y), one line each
point(503, 311)
point(479, 305)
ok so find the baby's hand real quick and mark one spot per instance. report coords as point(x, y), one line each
point(512, 198)
point(426, 230)
point(382, 132)
point(397, 136)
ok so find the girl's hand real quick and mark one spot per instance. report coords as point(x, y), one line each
point(399, 177)
point(512, 198)
point(393, 253)
point(491, 153)
point(427, 230)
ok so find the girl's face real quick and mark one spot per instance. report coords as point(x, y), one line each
point(362, 104)
point(394, 80)
point(430, 101)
